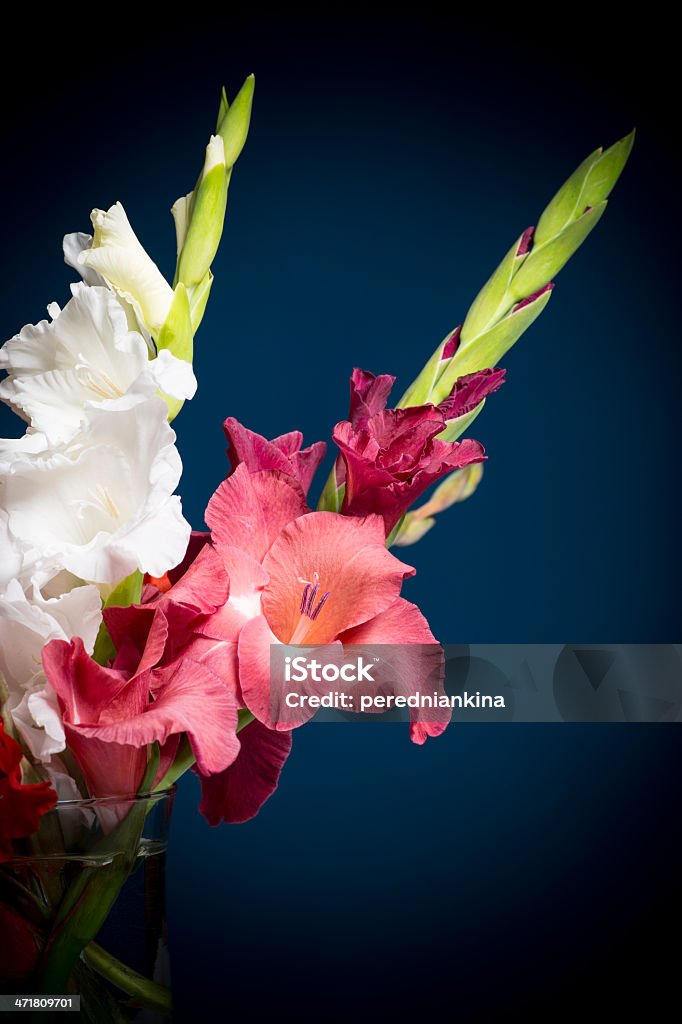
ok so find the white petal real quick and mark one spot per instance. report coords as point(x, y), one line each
point(29, 621)
point(85, 355)
point(73, 245)
point(117, 255)
point(160, 542)
point(174, 376)
point(39, 722)
point(181, 212)
point(99, 507)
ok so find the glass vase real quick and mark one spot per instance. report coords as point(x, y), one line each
point(82, 909)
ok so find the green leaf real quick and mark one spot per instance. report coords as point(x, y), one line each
point(589, 185)
point(490, 302)
point(198, 300)
point(143, 991)
point(488, 348)
point(456, 487)
point(545, 261)
point(562, 208)
point(606, 171)
point(151, 771)
point(395, 531)
point(176, 333)
point(413, 529)
point(332, 496)
point(421, 388)
point(222, 109)
point(234, 126)
point(125, 593)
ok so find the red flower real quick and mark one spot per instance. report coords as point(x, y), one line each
point(21, 806)
point(391, 456)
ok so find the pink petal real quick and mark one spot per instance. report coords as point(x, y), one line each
point(470, 390)
point(249, 509)
point(220, 656)
point(109, 769)
point(83, 687)
point(420, 731)
point(239, 792)
point(254, 668)
point(247, 579)
point(283, 454)
point(139, 634)
point(368, 395)
point(288, 443)
point(204, 586)
point(304, 464)
point(401, 623)
point(255, 451)
point(254, 647)
point(193, 700)
point(349, 560)
point(419, 668)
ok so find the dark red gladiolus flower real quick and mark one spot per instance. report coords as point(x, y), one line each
point(21, 806)
point(391, 456)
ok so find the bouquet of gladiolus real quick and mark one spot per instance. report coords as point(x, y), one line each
point(134, 649)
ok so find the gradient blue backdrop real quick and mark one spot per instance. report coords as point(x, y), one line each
point(388, 168)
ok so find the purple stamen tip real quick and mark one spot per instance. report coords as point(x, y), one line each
point(304, 598)
point(320, 605)
point(311, 600)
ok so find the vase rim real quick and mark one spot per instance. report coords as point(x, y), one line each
point(116, 798)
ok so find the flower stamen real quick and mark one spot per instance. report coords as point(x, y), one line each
point(308, 608)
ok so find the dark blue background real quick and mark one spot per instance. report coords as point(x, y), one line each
point(389, 167)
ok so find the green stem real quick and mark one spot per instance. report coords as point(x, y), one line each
point(89, 898)
point(144, 991)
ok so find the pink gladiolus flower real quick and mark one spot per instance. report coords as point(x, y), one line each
point(299, 577)
point(112, 714)
point(192, 597)
point(391, 456)
point(282, 453)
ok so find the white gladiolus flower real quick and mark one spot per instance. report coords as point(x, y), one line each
point(103, 505)
point(117, 256)
point(27, 623)
point(86, 355)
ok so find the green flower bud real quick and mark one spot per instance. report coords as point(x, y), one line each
point(234, 125)
point(206, 217)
